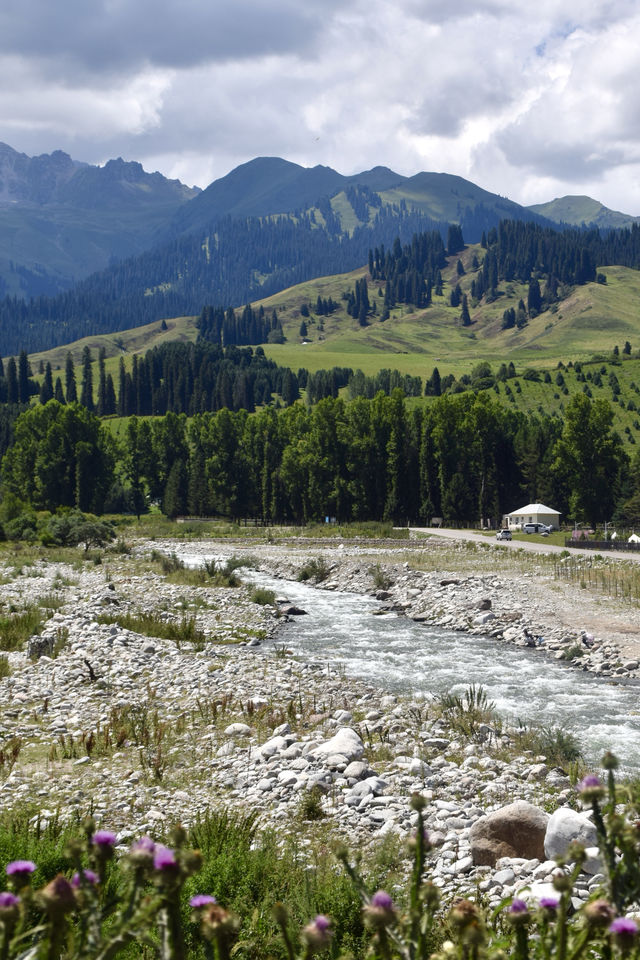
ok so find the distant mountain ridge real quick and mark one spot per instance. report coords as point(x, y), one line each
point(90, 249)
point(61, 220)
point(583, 211)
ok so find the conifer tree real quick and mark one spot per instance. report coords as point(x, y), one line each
point(70, 380)
point(86, 392)
point(46, 387)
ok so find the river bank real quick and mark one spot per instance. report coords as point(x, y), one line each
point(150, 731)
point(528, 608)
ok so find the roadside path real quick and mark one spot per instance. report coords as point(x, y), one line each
point(534, 546)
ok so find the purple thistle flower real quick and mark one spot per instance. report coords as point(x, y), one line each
point(201, 900)
point(20, 868)
point(88, 876)
point(382, 900)
point(317, 934)
point(518, 906)
point(588, 782)
point(549, 903)
point(104, 838)
point(143, 845)
point(8, 901)
point(164, 858)
point(624, 926)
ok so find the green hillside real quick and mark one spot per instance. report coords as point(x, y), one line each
point(579, 210)
point(590, 323)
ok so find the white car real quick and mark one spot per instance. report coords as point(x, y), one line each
point(504, 535)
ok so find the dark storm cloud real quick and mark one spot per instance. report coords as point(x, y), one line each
point(96, 36)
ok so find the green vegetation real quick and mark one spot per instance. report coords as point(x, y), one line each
point(16, 628)
point(150, 625)
point(245, 896)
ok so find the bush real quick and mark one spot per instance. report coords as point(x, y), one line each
point(317, 569)
point(264, 597)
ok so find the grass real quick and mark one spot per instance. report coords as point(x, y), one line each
point(591, 321)
point(16, 628)
point(151, 625)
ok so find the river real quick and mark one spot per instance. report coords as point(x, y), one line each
point(404, 657)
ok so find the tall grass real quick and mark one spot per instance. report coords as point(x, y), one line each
point(150, 625)
point(16, 628)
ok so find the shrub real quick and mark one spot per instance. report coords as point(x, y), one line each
point(316, 569)
point(262, 596)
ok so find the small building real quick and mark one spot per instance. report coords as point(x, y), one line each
point(532, 513)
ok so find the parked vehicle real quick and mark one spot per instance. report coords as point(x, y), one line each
point(536, 528)
point(504, 535)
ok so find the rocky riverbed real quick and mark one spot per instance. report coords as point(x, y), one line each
point(153, 731)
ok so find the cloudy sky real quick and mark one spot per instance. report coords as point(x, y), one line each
point(532, 101)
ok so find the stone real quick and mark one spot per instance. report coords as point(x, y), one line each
point(346, 743)
point(564, 827)
point(517, 830)
point(237, 730)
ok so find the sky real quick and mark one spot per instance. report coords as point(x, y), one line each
point(531, 101)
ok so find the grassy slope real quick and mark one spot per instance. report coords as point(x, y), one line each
point(589, 322)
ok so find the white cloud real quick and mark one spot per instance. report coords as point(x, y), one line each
point(527, 106)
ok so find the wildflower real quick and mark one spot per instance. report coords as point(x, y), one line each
point(164, 859)
point(216, 923)
point(590, 788)
point(380, 910)
point(103, 842)
point(464, 913)
point(104, 838)
point(8, 905)
point(623, 932)
point(20, 872)
point(549, 905)
point(144, 844)
point(57, 897)
point(87, 876)
point(201, 900)
point(598, 913)
point(20, 868)
point(142, 852)
point(9, 913)
point(518, 912)
point(317, 934)
point(609, 761)
point(561, 881)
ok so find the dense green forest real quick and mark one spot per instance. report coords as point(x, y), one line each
point(240, 260)
point(233, 262)
point(463, 457)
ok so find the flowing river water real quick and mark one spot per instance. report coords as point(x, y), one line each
point(398, 655)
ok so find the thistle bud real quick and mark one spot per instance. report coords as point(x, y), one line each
point(57, 897)
point(598, 913)
point(380, 911)
point(317, 935)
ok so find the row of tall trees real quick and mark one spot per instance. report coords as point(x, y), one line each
point(464, 457)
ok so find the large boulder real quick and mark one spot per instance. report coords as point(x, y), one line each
point(346, 743)
point(566, 826)
point(517, 830)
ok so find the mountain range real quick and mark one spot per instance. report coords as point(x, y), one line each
point(109, 247)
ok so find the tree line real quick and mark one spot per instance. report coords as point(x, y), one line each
point(464, 458)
